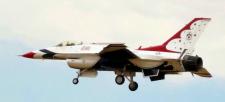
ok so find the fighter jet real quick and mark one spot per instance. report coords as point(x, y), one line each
point(173, 56)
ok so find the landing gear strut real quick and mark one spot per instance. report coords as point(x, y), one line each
point(76, 79)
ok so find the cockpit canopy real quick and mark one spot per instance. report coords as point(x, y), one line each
point(68, 43)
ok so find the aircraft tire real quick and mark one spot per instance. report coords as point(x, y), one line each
point(119, 79)
point(133, 86)
point(75, 81)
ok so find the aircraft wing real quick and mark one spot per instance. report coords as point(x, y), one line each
point(120, 50)
point(116, 56)
point(117, 49)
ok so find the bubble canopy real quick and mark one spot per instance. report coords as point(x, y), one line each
point(68, 43)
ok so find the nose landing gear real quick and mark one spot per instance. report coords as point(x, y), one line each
point(76, 79)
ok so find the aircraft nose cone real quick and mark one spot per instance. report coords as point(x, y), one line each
point(28, 55)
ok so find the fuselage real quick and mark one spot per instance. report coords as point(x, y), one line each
point(93, 50)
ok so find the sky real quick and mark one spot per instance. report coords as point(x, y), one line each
point(27, 25)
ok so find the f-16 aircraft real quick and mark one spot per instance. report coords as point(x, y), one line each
point(171, 57)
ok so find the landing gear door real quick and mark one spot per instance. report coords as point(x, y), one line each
point(151, 72)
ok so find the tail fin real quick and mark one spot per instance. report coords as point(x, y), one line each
point(184, 39)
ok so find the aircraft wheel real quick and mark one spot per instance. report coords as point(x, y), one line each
point(119, 79)
point(75, 81)
point(133, 86)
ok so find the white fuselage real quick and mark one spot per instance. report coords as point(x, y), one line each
point(146, 59)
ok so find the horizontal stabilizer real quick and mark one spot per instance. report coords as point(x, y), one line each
point(203, 73)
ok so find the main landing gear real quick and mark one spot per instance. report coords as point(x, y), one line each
point(120, 79)
point(133, 86)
